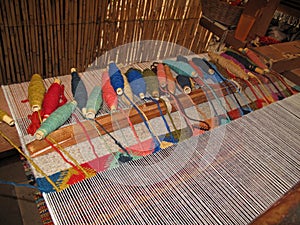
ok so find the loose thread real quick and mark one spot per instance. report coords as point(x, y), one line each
point(123, 158)
point(162, 115)
point(37, 168)
point(171, 119)
point(145, 120)
point(202, 81)
point(132, 128)
point(86, 134)
point(59, 149)
point(229, 90)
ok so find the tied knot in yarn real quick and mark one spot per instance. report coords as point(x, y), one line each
point(152, 83)
point(108, 93)
point(78, 90)
point(94, 102)
point(54, 98)
point(171, 82)
point(36, 92)
point(137, 82)
point(116, 78)
point(55, 120)
point(4, 117)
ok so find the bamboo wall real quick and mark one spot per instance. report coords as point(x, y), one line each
point(49, 36)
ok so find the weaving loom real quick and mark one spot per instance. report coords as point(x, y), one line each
point(257, 162)
point(203, 178)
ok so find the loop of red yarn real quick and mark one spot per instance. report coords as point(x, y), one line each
point(53, 99)
point(108, 93)
point(35, 123)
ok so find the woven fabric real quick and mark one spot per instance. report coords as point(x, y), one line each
point(60, 171)
point(226, 176)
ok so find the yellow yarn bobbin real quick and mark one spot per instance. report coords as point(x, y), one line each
point(36, 92)
point(4, 117)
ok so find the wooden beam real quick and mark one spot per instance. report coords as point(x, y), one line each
point(66, 136)
point(220, 30)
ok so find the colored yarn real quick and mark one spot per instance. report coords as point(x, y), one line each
point(255, 58)
point(171, 81)
point(185, 83)
point(229, 90)
point(241, 66)
point(181, 67)
point(152, 83)
point(75, 164)
point(36, 167)
point(243, 60)
point(36, 92)
point(55, 120)
point(4, 117)
point(108, 93)
point(94, 102)
point(35, 122)
point(116, 78)
point(123, 158)
point(128, 91)
point(54, 98)
point(161, 75)
point(229, 65)
point(202, 82)
point(146, 122)
point(164, 119)
point(209, 73)
point(78, 90)
point(137, 82)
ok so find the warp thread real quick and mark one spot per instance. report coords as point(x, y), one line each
point(171, 81)
point(137, 82)
point(94, 102)
point(152, 83)
point(78, 90)
point(53, 98)
point(36, 92)
point(55, 120)
point(4, 117)
point(108, 93)
point(116, 78)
